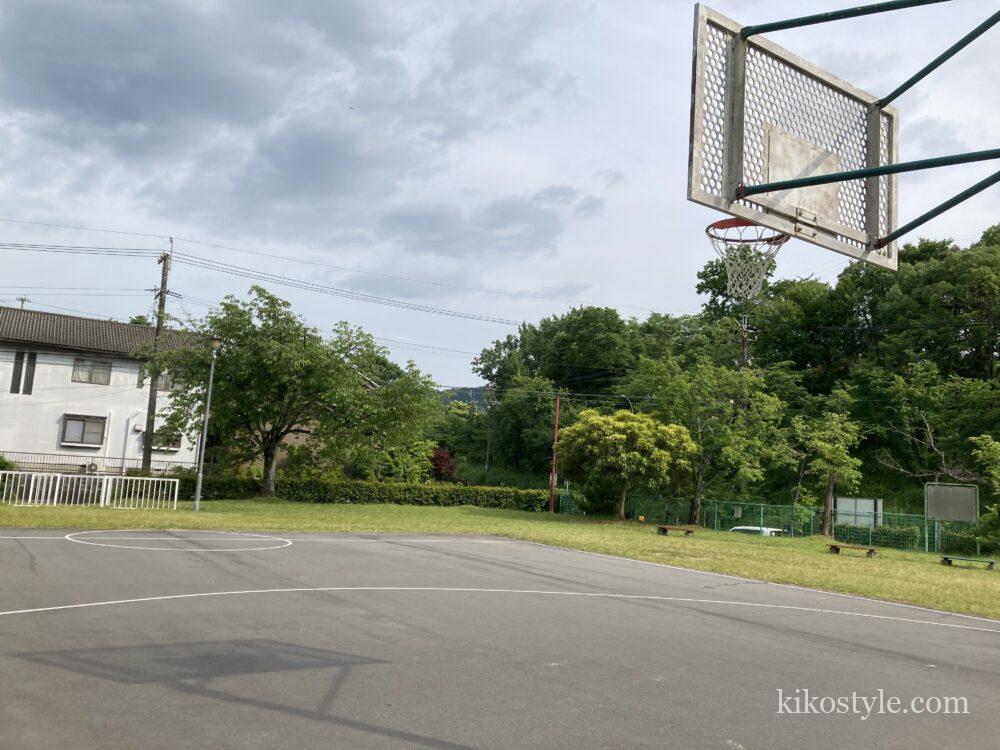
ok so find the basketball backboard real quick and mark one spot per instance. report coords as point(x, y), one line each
point(760, 114)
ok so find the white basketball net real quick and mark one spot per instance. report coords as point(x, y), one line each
point(747, 250)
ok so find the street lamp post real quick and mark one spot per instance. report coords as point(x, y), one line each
point(215, 344)
point(630, 405)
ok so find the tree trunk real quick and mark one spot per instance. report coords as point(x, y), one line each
point(270, 464)
point(694, 516)
point(831, 485)
point(621, 502)
point(798, 484)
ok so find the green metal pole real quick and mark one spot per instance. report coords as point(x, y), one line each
point(837, 15)
point(950, 203)
point(762, 517)
point(742, 191)
point(941, 59)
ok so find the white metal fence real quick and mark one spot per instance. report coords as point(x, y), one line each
point(31, 488)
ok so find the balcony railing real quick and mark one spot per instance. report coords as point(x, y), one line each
point(83, 464)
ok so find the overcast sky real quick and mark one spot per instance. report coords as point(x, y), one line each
point(517, 157)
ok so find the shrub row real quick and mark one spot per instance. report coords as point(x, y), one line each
point(221, 488)
point(899, 537)
point(317, 491)
point(320, 491)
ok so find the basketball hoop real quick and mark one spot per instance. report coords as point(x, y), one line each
point(747, 250)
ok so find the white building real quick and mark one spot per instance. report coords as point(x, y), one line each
point(73, 396)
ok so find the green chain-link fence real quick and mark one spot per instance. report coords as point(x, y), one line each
point(896, 530)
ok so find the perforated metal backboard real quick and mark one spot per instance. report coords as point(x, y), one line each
point(760, 114)
point(951, 502)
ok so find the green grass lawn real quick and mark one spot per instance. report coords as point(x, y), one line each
point(910, 577)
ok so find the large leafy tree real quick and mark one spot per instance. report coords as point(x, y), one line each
point(823, 446)
point(586, 350)
point(729, 414)
point(276, 376)
point(920, 422)
point(623, 450)
point(501, 362)
point(523, 422)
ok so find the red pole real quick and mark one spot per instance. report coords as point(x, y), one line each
point(552, 476)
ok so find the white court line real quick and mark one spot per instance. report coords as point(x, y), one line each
point(441, 589)
point(295, 540)
point(585, 552)
point(769, 583)
point(425, 541)
point(245, 537)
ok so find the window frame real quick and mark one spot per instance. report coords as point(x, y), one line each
point(91, 364)
point(167, 448)
point(18, 372)
point(165, 382)
point(85, 419)
point(22, 377)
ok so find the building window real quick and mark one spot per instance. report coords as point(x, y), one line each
point(80, 430)
point(93, 371)
point(23, 378)
point(166, 440)
point(164, 381)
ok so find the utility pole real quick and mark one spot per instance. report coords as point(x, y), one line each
point(489, 435)
point(489, 402)
point(552, 476)
point(153, 370)
point(22, 300)
point(745, 334)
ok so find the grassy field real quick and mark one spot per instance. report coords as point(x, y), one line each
point(911, 577)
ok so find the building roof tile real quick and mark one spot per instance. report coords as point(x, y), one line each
point(70, 332)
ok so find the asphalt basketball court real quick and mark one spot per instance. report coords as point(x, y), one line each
point(192, 639)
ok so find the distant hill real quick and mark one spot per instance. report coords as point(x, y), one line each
point(470, 395)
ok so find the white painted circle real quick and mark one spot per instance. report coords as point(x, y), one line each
point(237, 536)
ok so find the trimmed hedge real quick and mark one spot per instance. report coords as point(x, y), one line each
point(361, 493)
point(317, 491)
point(221, 488)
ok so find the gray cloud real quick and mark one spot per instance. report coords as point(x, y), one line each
point(932, 136)
point(509, 225)
point(293, 118)
point(610, 177)
point(513, 225)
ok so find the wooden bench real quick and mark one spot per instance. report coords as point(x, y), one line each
point(948, 559)
point(667, 529)
point(835, 548)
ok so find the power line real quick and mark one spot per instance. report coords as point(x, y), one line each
point(83, 288)
point(250, 273)
point(346, 269)
point(134, 252)
point(218, 266)
point(426, 346)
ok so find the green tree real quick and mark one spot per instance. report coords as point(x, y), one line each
point(925, 420)
point(277, 377)
point(501, 362)
point(733, 420)
point(587, 349)
point(824, 445)
point(713, 280)
point(624, 450)
point(987, 453)
point(522, 424)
